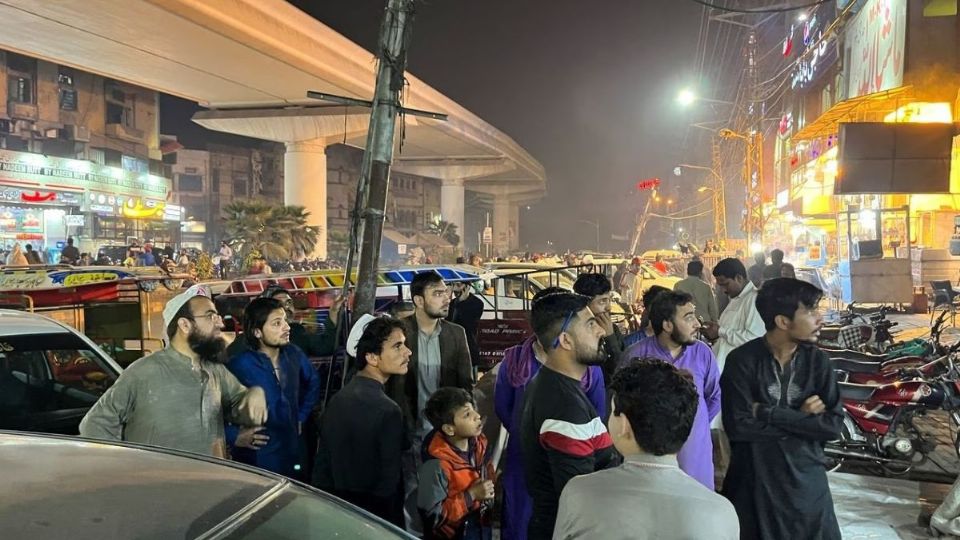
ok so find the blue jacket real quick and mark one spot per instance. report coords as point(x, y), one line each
point(290, 401)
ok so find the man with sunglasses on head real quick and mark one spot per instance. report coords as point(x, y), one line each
point(179, 397)
point(561, 433)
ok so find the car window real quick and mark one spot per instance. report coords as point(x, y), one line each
point(299, 514)
point(43, 375)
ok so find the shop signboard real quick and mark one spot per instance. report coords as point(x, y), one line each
point(39, 197)
point(19, 219)
point(876, 41)
point(53, 172)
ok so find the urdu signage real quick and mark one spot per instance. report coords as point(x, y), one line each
point(74, 173)
point(876, 41)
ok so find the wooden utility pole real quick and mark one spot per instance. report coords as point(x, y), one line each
point(378, 157)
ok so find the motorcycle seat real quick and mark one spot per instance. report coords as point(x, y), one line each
point(854, 366)
point(856, 392)
point(853, 355)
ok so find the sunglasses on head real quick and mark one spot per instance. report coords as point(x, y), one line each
point(563, 328)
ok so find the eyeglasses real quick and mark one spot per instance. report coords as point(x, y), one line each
point(563, 328)
point(211, 316)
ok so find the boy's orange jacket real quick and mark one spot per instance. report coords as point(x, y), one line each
point(445, 477)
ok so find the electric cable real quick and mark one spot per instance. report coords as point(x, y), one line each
point(761, 10)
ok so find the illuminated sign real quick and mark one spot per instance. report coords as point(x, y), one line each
point(876, 38)
point(42, 197)
point(75, 173)
point(815, 49)
point(649, 183)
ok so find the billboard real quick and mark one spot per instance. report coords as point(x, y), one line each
point(875, 44)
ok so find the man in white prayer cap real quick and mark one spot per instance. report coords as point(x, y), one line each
point(362, 431)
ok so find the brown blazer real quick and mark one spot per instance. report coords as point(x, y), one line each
point(456, 369)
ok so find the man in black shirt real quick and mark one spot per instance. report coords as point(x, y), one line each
point(70, 253)
point(362, 435)
point(597, 288)
point(562, 435)
point(466, 310)
point(780, 405)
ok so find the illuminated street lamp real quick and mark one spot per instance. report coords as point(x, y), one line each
point(686, 97)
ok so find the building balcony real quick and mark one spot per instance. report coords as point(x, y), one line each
point(126, 133)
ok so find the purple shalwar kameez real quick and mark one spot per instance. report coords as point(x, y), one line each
point(518, 368)
point(696, 456)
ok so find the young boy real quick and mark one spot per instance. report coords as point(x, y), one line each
point(456, 480)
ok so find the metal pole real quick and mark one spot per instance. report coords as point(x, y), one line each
point(392, 58)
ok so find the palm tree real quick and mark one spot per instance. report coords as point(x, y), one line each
point(276, 232)
point(445, 230)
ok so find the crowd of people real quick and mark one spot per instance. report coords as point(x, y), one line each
point(709, 424)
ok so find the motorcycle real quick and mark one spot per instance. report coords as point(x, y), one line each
point(879, 421)
point(866, 364)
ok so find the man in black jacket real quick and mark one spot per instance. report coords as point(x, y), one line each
point(362, 435)
point(780, 405)
point(466, 309)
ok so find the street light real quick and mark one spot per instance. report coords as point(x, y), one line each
point(701, 189)
point(688, 97)
point(597, 225)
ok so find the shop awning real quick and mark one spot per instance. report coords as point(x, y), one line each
point(868, 108)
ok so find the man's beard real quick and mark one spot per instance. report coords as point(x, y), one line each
point(438, 314)
point(207, 347)
point(678, 338)
point(595, 357)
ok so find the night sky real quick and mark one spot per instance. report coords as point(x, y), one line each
point(586, 90)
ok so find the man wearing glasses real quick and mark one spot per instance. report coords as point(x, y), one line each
point(561, 434)
point(179, 397)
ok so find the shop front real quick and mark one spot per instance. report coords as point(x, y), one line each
point(44, 200)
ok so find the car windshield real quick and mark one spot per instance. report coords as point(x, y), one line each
point(301, 514)
point(46, 380)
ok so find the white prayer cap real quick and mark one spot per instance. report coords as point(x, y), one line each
point(356, 332)
point(177, 302)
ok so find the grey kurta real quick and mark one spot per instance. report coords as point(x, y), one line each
point(163, 401)
point(645, 497)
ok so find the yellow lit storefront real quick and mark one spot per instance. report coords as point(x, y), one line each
point(810, 203)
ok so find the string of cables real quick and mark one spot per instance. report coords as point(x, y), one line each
point(760, 10)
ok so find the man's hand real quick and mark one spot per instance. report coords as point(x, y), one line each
point(813, 405)
point(254, 405)
point(605, 321)
point(335, 309)
point(711, 330)
point(250, 437)
point(481, 490)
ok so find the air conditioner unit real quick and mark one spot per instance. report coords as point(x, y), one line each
point(51, 133)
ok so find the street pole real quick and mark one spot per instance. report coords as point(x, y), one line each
point(375, 173)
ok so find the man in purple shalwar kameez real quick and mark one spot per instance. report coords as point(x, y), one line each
point(674, 320)
point(520, 364)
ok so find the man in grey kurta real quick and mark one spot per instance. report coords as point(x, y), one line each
point(179, 397)
point(648, 496)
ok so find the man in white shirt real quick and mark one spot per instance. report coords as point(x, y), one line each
point(739, 323)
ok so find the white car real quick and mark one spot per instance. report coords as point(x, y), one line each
point(50, 374)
